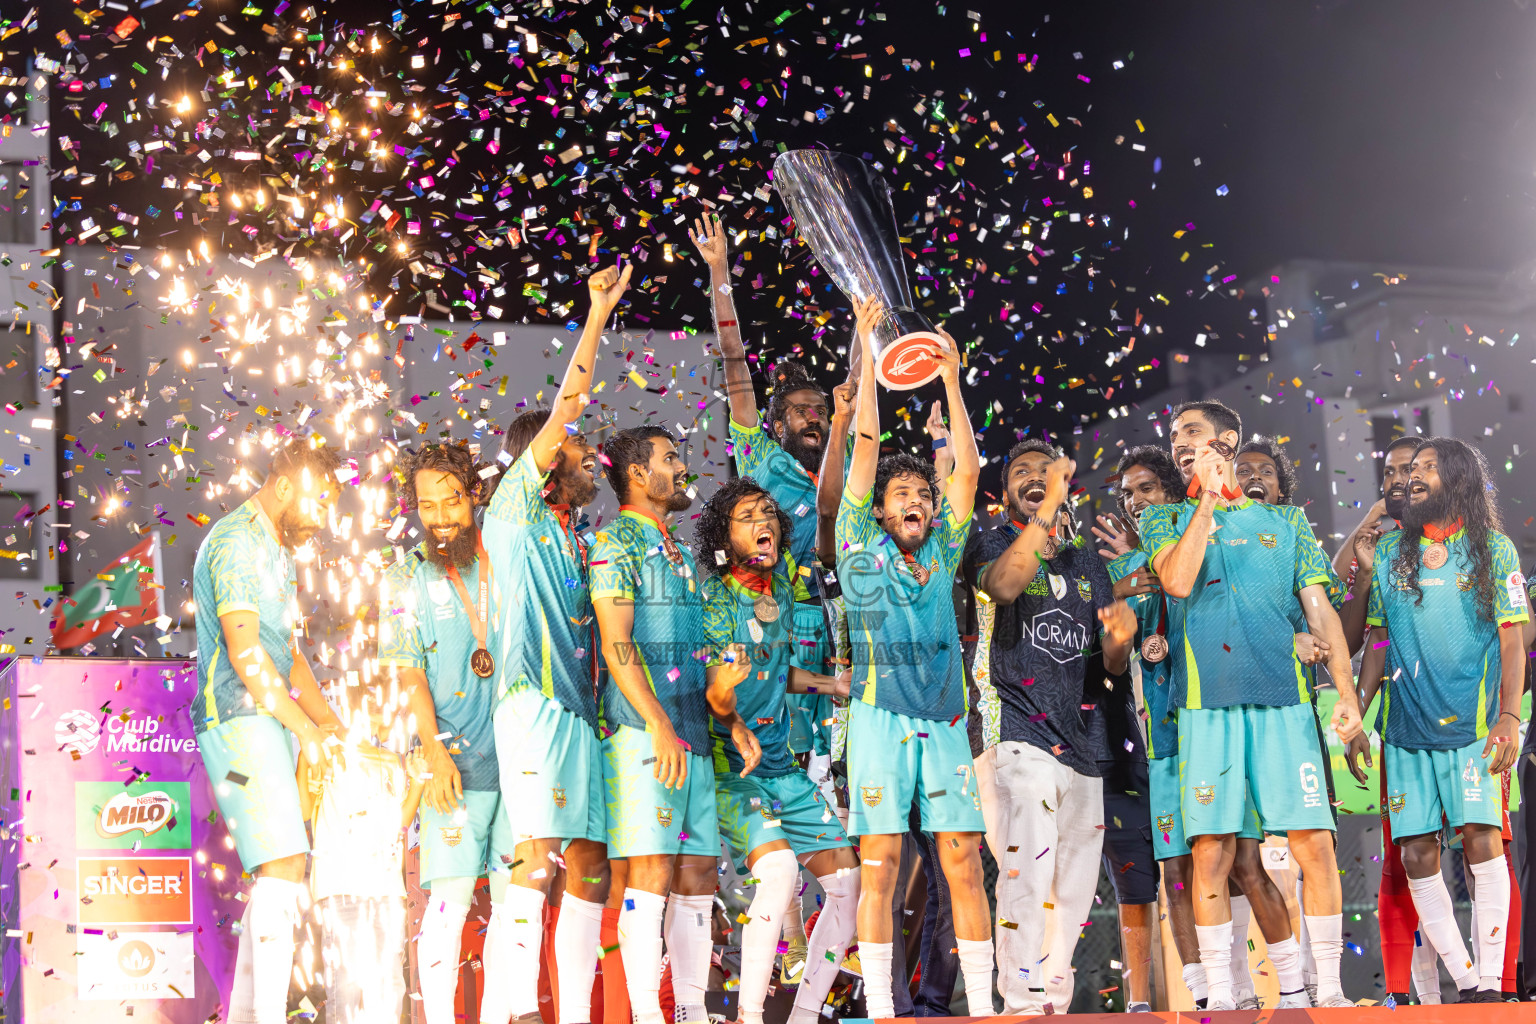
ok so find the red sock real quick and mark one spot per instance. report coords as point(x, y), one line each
point(611, 968)
point(1511, 983)
point(549, 977)
point(1396, 917)
point(668, 1000)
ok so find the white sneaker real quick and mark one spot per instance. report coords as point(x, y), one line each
point(1295, 1000)
point(1215, 1006)
point(1336, 1000)
point(1248, 1003)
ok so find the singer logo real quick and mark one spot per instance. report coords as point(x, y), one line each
point(135, 890)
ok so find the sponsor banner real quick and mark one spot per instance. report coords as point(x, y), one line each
point(134, 965)
point(122, 838)
point(143, 815)
point(135, 890)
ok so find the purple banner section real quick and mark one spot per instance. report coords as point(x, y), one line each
point(126, 885)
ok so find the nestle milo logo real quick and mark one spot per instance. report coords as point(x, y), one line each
point(146, 815)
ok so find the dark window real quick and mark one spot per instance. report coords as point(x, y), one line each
point(18, 198)
point(11, 525)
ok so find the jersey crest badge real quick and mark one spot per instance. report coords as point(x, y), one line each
point(1085, 590)
point(872, 795)
point(558, 792)
point(1058, 586)
point(664, 817)
point(1165, 823)
point(1269, 540)
point(1205, 795)
point(1395, 803)
point(1464, 581)
point(452, 835)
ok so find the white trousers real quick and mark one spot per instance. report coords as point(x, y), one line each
point(1044, 827)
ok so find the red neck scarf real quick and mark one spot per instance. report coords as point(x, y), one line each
point(1438, 535)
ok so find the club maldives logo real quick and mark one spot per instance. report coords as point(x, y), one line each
point(79, 733)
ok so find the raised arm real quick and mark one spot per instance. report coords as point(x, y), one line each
point(866, 434)
point(829, 483)
point(943, 445)
point(1007, 576)
point(709, 235)
point(605, 288)
point(961, 490)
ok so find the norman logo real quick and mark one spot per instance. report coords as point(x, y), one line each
point(145, 812)
point(1061, 636)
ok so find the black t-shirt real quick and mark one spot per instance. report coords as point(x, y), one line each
point(1039, 651)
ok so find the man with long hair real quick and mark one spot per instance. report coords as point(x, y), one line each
point(1233, 570)
point(439, 600)
point(774, 819)
point(649, 604)
point(255, 697)
point(1446, 599)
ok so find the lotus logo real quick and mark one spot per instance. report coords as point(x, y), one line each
point(136, 958)
point(145, 812)
point(77, 732)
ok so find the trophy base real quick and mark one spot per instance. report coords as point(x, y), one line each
point(904, 364)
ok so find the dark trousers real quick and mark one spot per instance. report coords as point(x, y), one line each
point(1524, 829)
point(939, 962)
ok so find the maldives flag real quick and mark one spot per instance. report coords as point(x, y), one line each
point(122, 594)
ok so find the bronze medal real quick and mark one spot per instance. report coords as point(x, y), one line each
point(481, 663)
point(766, 608)
point(920, 572)
point(1435, 555)
point(1154, 648)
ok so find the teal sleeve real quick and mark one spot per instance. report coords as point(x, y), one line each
point(750, 447)
point(612, 567)
point(1509, 598)
point(234, 567)
point(1158, 530)
point(856, 521)
point(1126, 564)
point(1376, 609)
point(400, 641)
point(519, 497)
point(1312, 566)
point(719, 619)
point(954, 535)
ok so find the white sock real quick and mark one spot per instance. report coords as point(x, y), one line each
point(689, 945)
point(1425, 969)
point(1285, 957)
point(875, 959)
point(515, 936)
point(578, 934)
point(640, 948)
point(437, 958)
point(976, 969)
point(242, 995)
point(1327, 934)
point(794, 916)
point(778, 876)
point(1194, 980)
point(1242, 978)
point(274, 916)
point(1308, 960)
point(1437, 923)
point(1490, 897)
point(828, 943)
point(1216, 957)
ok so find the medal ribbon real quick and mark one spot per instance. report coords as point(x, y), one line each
point(669, 546)
point(912, 565)
point(1438, 535)
point(751, 580)
point(476, 621)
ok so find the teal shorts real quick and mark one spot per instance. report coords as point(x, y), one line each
point(1424, 784)
point(252, 764)
point(475, 840)
point(755, 811)
point(644, 817)
point(894, 760)
point(1247, 758)
point(551, 765)
point(1168, 839)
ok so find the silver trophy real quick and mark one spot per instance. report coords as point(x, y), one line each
point(842, 208)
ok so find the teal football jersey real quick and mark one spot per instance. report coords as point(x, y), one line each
point(629, 561)
point(240, 566)
point(905, 643)
point(542, 634)
point(730, 617)
point(1156, 679)
point(1443, 664)
point(1236, 637)
point(423, 624)
point(790, 484)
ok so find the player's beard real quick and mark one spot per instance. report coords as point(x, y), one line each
point(459, 550)
point(1432, 508)
point(676, 499)
point(1396, 502)
point(575, 486)
point(807, 453)
point(292, 530)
